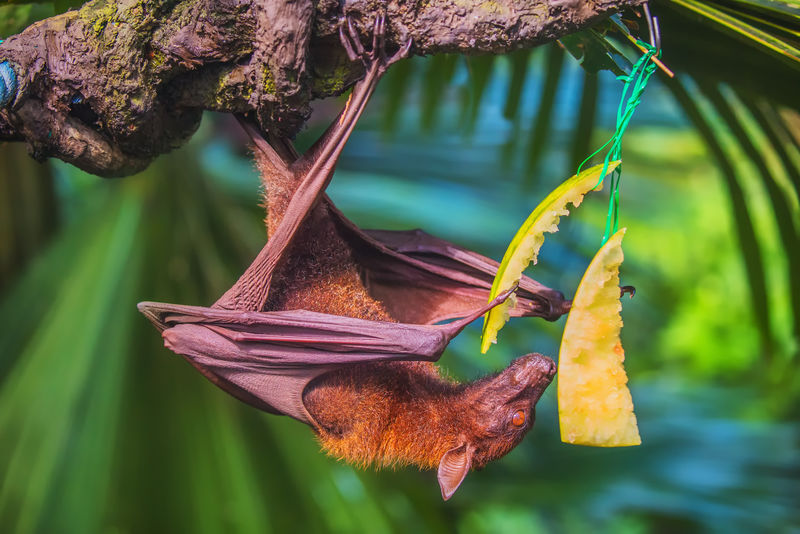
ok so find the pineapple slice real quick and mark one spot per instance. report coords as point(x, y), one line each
point(594, 403)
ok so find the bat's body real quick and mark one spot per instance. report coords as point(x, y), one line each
point(334, 326)
point(405, 413)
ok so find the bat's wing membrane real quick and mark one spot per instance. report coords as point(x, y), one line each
point(420, 278)
point(266, 359)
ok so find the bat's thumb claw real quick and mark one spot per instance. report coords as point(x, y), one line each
point(505, 294)
point(456, 326)
point(153, 313)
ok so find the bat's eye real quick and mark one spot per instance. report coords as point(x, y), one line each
point(518, 419)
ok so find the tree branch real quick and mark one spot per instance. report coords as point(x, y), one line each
point(112, 85)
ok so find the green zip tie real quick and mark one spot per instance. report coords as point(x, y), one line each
point(635, 82)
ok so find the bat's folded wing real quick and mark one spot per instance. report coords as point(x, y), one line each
point(266, 359)
point(420, 278)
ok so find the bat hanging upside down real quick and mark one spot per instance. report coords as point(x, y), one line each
point(336, 327)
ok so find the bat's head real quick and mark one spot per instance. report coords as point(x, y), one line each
point(496, 414)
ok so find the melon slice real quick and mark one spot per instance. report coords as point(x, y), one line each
point(594, 404)
point(525, 246)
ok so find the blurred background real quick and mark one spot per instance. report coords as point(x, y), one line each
point(104, 430)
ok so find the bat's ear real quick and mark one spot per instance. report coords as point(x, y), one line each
point(453, 467)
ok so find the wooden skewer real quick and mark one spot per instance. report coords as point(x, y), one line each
point(654, 58)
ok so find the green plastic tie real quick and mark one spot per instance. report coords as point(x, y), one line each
point(635, 82)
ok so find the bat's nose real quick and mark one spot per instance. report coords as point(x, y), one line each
point(534, 367)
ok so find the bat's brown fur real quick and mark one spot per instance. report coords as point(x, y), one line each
point(318, 272)
point(370, 414)
point(406, 413)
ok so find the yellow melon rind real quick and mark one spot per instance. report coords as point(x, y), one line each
point(524, 248)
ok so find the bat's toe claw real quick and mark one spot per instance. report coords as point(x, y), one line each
point(351, 42)
point(379, 37)
point(346, 44)
point(402, 53)
point(355, 38)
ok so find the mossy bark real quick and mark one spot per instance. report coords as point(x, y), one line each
point(112, 85)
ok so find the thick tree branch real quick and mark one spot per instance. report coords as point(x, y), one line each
point(114, 84)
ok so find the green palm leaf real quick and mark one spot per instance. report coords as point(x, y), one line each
point(733, 22)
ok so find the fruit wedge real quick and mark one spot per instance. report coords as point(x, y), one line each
point(594, 403)
point(525, 246)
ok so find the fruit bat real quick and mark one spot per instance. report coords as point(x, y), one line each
point(336, 327)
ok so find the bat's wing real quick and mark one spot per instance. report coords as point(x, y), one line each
point(422, 279)
point(267, 359)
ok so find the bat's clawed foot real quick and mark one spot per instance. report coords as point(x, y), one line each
point(377, 55)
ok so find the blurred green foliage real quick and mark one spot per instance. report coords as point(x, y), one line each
point(104, 430)
point(16, 17)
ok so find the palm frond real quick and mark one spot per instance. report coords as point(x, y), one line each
point(582, 137)
point(16, 17)
point(705, 49)
point(519, 69)
point(779, 25)
point(42, 425)
point(748, 238)
point(784, 200)
point(554, 63)
point(29, 212)
point(437, 77)
point(479, 69)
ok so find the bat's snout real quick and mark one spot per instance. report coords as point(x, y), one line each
point(531, 376)
point(533, 368)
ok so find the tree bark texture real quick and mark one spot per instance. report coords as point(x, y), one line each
point(112, 85)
